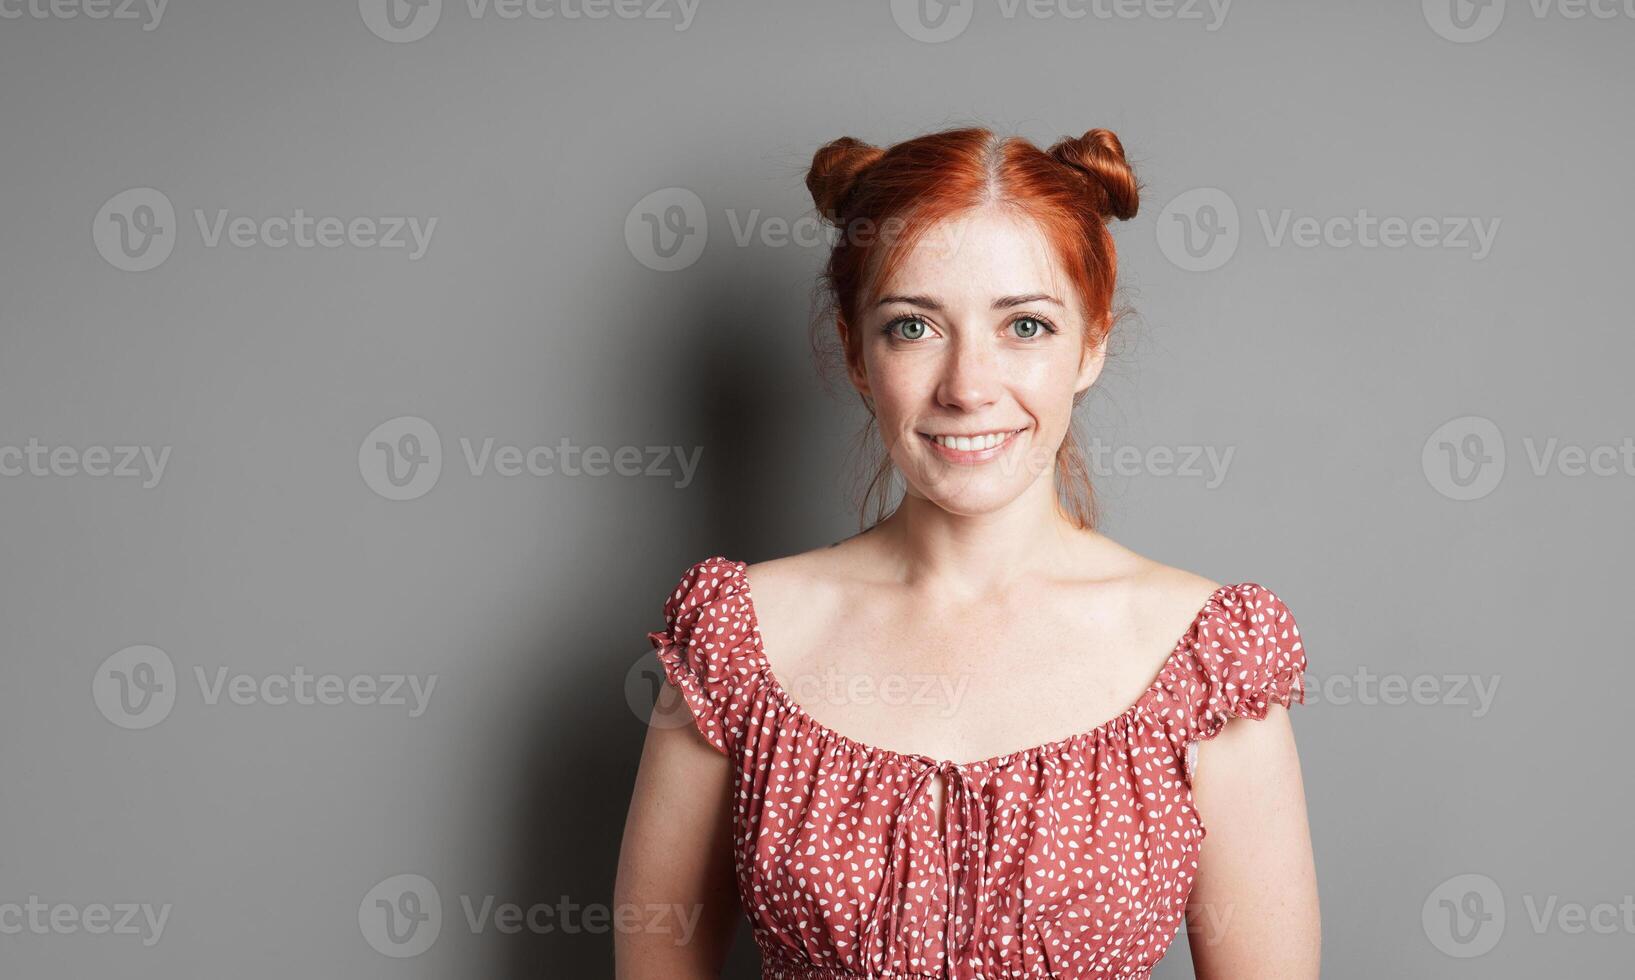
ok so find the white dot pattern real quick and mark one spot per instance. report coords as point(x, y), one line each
point(1069, 859)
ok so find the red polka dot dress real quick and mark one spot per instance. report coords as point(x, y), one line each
point(1071, 859)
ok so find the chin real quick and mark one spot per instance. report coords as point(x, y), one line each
point(968, 500)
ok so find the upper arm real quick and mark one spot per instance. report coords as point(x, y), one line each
point(676, 890)
point(1253, 910)
point(676, 857)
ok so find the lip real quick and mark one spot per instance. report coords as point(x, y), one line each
point(969, 457)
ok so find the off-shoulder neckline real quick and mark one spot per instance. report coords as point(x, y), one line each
point(1051, 748)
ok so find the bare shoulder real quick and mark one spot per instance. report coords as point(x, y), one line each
point(1155, 598)
point(1169, 587)
point(795, 596)
point(839, 560)
point(775, 578)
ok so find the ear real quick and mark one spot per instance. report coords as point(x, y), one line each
point(1091, 360)
point(854, 365)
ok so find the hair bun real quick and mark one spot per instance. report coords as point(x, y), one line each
point(834, 173)
point(1100, 157)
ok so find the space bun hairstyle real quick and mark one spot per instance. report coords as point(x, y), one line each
point(835, 172)
point(882, 201)
point(1099, 156)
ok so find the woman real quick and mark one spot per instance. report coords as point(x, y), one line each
point(971, 289)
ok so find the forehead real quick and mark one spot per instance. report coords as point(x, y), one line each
point(979, 255)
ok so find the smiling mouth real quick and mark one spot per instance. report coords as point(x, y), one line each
point(971, 447)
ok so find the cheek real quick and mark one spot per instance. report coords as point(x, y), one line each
point(1045, 385)
point(901, 383)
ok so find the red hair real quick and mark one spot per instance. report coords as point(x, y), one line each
point(883, 200)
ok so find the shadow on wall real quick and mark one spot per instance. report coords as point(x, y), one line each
point(574, 789)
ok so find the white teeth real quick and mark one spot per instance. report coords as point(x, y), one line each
point(986, 440)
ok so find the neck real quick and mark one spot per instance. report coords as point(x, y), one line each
point(968, 556)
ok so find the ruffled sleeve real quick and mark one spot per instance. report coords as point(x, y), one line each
point(709, 646)
point(1244, 656)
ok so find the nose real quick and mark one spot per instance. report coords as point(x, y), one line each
point(970, 377)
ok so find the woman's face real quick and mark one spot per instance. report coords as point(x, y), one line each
point(972, 357)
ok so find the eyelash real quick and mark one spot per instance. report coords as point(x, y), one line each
point(1042, 321)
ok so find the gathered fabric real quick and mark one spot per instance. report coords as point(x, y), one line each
point(1070, 859)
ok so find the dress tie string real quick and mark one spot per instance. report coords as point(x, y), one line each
point(965, 832)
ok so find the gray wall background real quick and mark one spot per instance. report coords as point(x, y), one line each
point(1383, 407)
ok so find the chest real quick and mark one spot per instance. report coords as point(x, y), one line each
point(966, 684)
point(883, 863)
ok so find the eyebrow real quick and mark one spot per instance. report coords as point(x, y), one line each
point(1002, 303)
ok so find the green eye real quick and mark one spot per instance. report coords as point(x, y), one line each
point(913, 328)
point(1029, 327)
